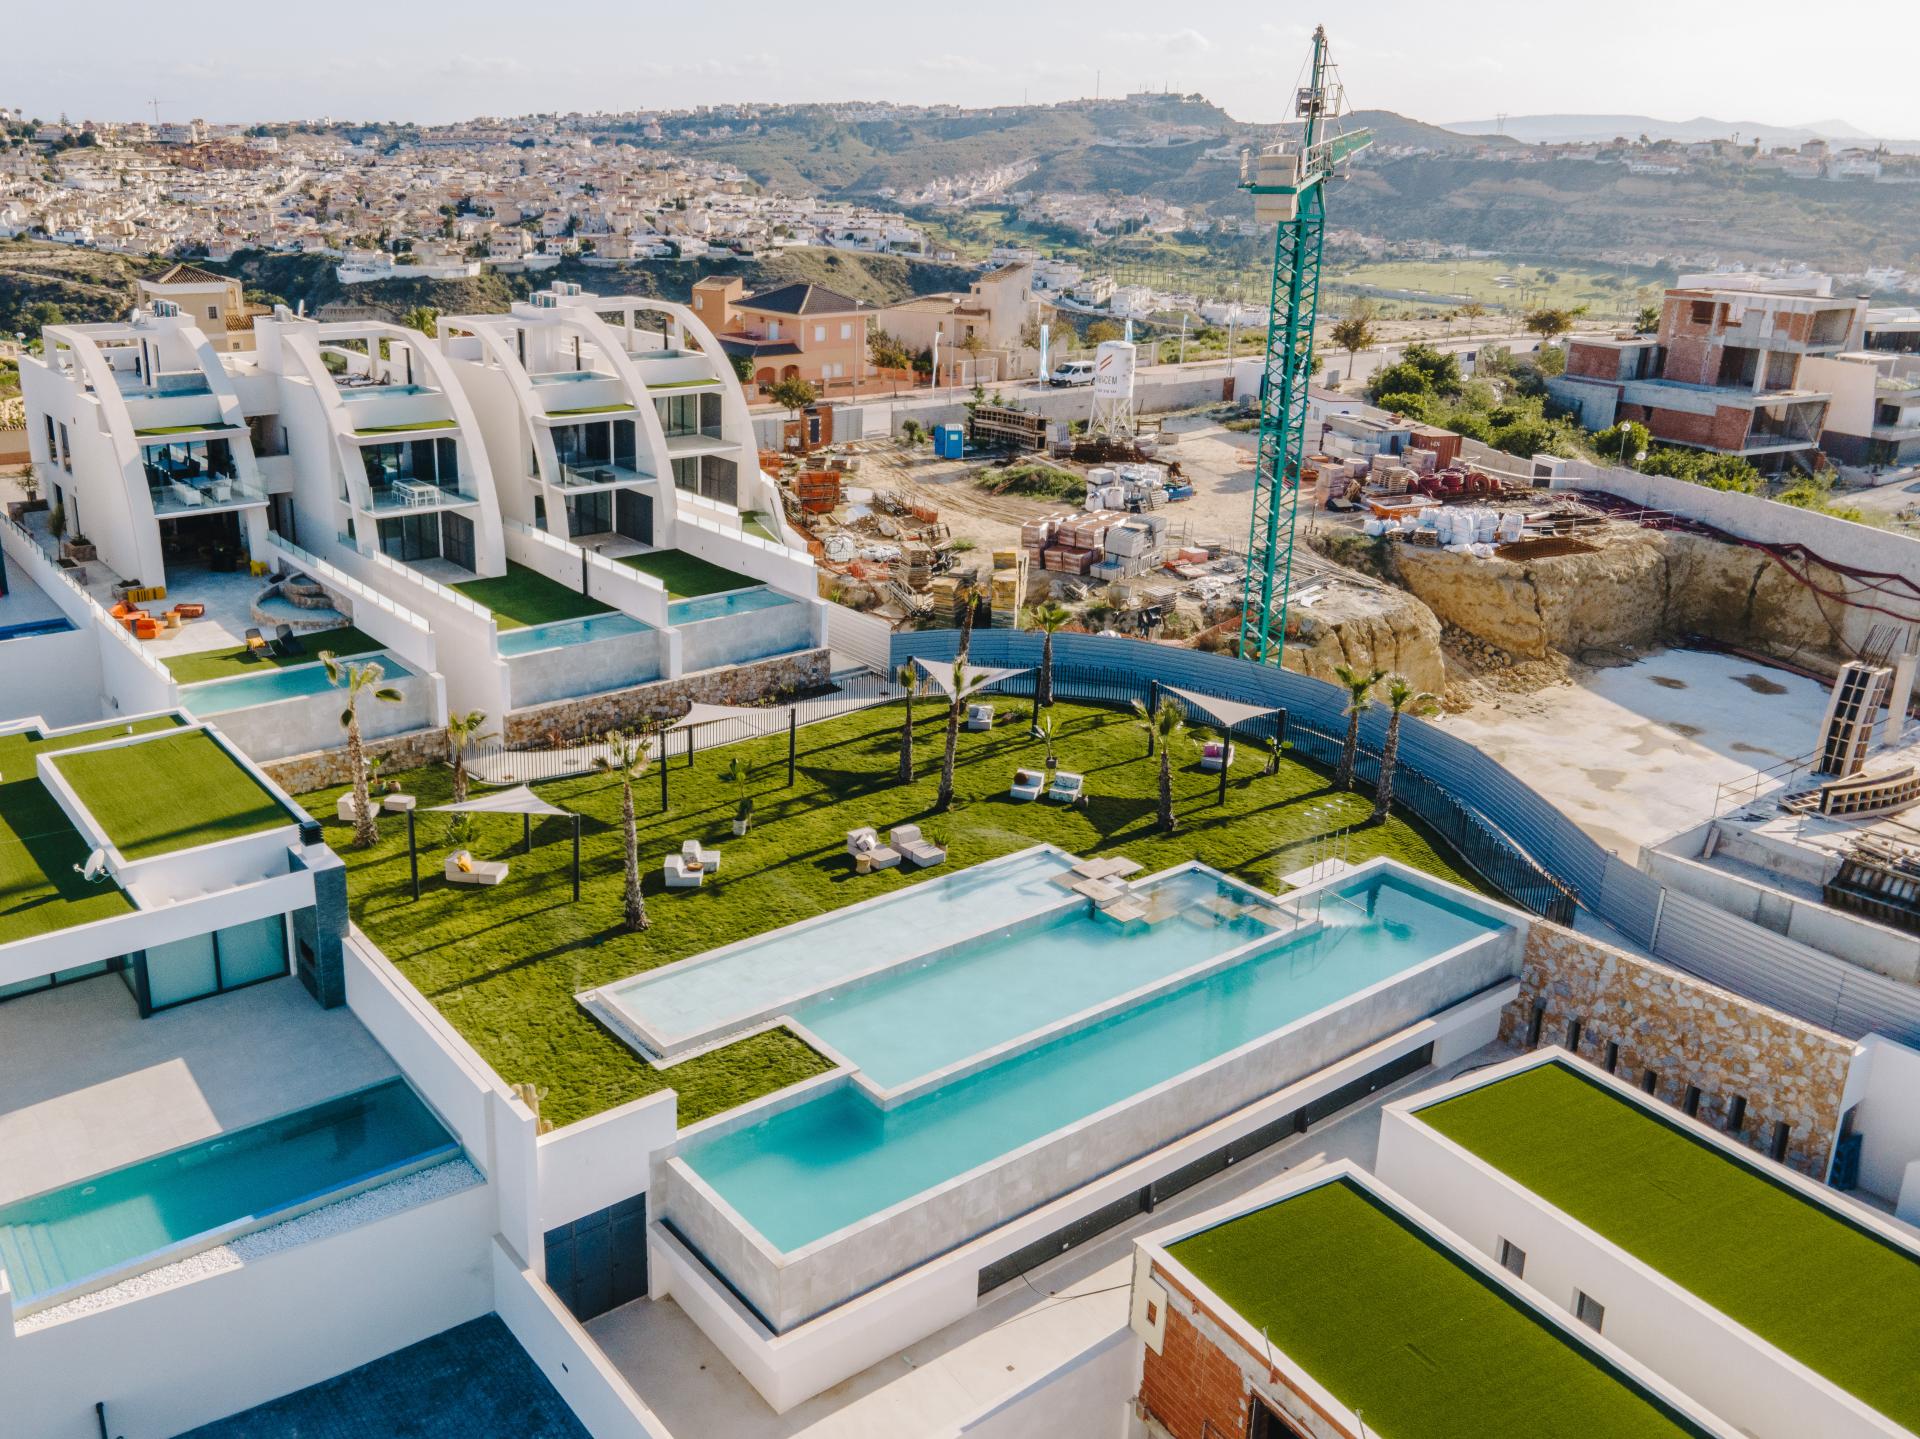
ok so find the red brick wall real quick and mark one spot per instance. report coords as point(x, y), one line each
point(1730, 425)
point(1692, 361)
point(1680, 426)
point(1593, 362)
point(1192, 1382)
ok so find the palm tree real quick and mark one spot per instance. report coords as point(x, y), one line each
point(1049, 619)
point(909, 678)
point(359, 680)
point(969, 596)
point(1163, 724)
point(626, 756)
point(423, 318)
point(463, 730)
point(1358, 685)
point(1402, 698)
point(962, 691)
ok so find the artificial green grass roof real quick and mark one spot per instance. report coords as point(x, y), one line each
point(681, 384)
point(402, 429)
point(620, 408)
point(170, 793)
point(39, 847)
point(523, 597)
point(225, 663)
point(687, 576)
point(153, 431)
point(1402, 1330)
point(1840, 1299)
point(503, 964)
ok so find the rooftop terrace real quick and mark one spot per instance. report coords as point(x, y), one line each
point(1405, 1332)
point(1803, 1277)
point(170, 793)
point(523, 597)
point(40, 891)
point(687, 576)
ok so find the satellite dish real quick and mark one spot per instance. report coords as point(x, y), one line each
point(95, 869)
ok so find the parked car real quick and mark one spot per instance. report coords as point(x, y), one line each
point(1074, 372)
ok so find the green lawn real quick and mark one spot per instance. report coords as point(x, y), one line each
point(223, 664)
point(403, 429)
point(152, 431)
point(504, 964)
point(170, 793)
point(687, 576)
point(523, 597)
point(590, 410)
point(1398, 1328)
point(39, 891)
point(1839, 1299)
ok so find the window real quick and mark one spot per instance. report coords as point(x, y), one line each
point(1650, 1081)
point(1690, 1106)
point(1588, 1310)
point(1737, 1114)
point(1534, 1026)
point(773, 329)
point(1702, 313)
point(819, 333)
point(699, 302)
point(846, 329)
point(1782, 1132)
point(1513, 1259)
point(213, 312)
point(1613, 1055)
point(1573, 1035)
point(66, 451)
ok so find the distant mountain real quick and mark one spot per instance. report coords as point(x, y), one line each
point(1560, 129)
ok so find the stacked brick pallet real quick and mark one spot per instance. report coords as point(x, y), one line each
point(818, 491)
point(1007, 587)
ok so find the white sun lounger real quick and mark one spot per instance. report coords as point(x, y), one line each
point(679, 875)
point(695, 855)
point(477, 871)
point(1027, 784)
point(863, 843)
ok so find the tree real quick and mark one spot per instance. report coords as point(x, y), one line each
point(626, 756)
point(1358, 702)
point(1441, 369)
point(793, 395)
point(967, 593)
point(1647, 321)
point(358, 680)
point(885, 352)
point(742, 367)
point(1550, 323)
point(423, 318)
point(1354, 331)
point(909, 678)
point(1402, 699)
point(1162, 724)
point(463, 730)
point(1049, 619)
point(962, 692)
point(1104, 330)
point(1472, 310)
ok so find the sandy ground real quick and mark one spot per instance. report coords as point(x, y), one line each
point(1636, 753)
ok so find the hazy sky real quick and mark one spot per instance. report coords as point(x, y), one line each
point(1772, 61)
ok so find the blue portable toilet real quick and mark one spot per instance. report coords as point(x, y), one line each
point(950, 441)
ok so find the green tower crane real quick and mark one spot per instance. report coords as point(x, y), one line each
point(1288, 184)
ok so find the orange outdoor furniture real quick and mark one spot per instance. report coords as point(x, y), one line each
point(146, 627)
point(188, 611)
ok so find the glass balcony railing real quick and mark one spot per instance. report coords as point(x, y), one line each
point(203, 492)
point(409, 493)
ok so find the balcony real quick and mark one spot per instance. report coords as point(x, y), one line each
point(391, 409)
point(200, 495)
point(417, 496)
point(668, 370)
point(188, 475)
point(169, 383)
point(597, 475)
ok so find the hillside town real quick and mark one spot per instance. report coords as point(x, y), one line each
point(794, 771)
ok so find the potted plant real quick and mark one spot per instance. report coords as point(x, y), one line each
point(743, 805)
point(79, 549)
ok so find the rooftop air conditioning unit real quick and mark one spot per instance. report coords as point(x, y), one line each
point(165, 309)
point(545, 300)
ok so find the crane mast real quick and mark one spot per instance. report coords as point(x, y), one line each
point(1288, 184)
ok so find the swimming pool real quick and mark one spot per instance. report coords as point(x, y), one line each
point(552, 636)
point(59, 624)
point(96, 1232)
point(569, 377)
point(212, 697)
point(351, 393)
point(814, 1168)
point(715, 607)
point(684, 1004)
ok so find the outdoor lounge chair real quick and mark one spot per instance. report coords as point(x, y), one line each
point(463, 868)
point(256, 642)
point(189, 609)
point(1027, 784)
point(1210, 754)
point(915, 846)
point(979, 717)
point(679, 876)
point(699, 858)
point(864, 844)
point(286, 642)
point(1067, 788)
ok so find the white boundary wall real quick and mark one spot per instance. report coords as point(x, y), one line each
point(1883, 1082)
point(599, 1161)
point(1724, 1366)
point(210, 1347)
point(1090, 1396)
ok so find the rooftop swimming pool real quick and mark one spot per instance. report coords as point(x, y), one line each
point(351, 393)
point(715, 607)
point(25, 629)
point(830, 1161)
point(291, 682)
point(552, 636)
point(569, 377)
point(94, 1233)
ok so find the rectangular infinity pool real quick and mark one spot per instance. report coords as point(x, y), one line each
point(715, 607)
point(212, 697)
point(569, 632)
point(834, 1159)
point(161, 1209)
point(731, 987)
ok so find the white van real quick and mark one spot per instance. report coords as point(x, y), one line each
point(1074, 372)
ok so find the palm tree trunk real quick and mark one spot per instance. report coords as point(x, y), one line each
point(1044, 690)
point(1167, 821)
point(906, 745)
point(635, 902)
point(966, 628)
point(365, 831)
point(1349, 751)
point(460, 775)
point(945, 801)
point(1389, 756)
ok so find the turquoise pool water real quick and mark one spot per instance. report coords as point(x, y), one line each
point(1013, 981)
point(212, 697)
point(832, 1160)
point(568, 632)
point(715, 607)
point(569, 377)
point(684, 1002)
point(352, 393)
point(114, 1221)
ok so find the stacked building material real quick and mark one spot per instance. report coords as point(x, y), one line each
point(818, 491)
point(915, 569)
point(1007, 587)
point(944, 592)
